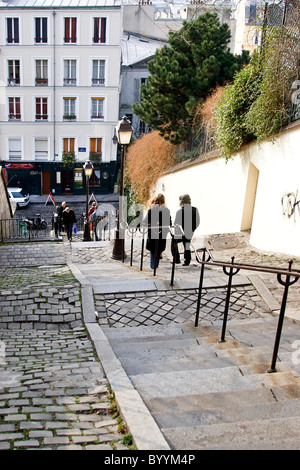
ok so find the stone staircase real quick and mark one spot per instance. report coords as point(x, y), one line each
point(209, 395)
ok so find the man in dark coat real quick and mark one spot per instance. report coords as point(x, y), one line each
point(69, 220)
point(187, 217)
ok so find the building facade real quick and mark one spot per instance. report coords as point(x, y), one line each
point(137, 51)
point(59, 93)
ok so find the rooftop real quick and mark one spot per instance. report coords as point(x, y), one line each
point(59, 3)
point(138, 48)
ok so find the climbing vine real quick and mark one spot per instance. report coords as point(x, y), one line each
point(258, 103)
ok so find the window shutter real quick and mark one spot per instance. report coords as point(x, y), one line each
point(103, 30)
point(73, 33)
point(67, 29)
point(45, 32)
point(16, 30)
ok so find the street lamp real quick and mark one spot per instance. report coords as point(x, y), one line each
point(88, 171)
point(124, 134)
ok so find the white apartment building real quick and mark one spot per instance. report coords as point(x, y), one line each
point(59, 93)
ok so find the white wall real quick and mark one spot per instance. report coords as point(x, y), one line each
point(220, 190)
point(279, 170)
point(217, 188)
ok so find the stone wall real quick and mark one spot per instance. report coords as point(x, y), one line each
point(258, 190)
point(5, 209)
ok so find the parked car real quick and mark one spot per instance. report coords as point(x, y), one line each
point(19, 196)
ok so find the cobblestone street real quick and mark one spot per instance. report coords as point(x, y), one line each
point(53, 391)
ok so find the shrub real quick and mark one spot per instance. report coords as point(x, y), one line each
point(231, 131)
point(147, 158)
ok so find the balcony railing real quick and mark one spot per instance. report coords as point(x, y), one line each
point(98, 81)
point(41, 81)
point(69, 81)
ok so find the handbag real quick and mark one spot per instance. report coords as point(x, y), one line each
point(75, 228)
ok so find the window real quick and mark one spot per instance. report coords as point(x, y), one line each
point(14, 150)
point(69, 147)
point(97, 108)
point(41, 72)
point(69, 109)
point(256, 38)
point(41, 109)
point(70, 72)
point(41, 33)
point(98, 74)
point(142, 128)
point(95, 149)
point(13, 72)
point(41, 149)
point(95, 179)
point(14, 104)
point(70, 30)
point(99, 31)
point(13, 36)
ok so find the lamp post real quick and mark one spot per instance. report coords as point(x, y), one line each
point(88, 171)
point(124, 134)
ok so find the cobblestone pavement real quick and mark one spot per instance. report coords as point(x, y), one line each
point(165, 307)
point(53, 394)
point(53, 391)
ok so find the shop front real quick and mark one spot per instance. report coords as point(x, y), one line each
point(42, 178)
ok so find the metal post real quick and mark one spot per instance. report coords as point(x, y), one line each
point(132, 231)
point(287, 283)
point(155, 257)
point(118, 252)
point(143, 231)
point(230, 274)
point(173, 261)
point(87, 233)
point(200, 286)
point(142, 254)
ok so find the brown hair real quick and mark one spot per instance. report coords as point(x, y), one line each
point(159, 199)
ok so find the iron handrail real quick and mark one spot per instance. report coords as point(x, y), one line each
point(144, 229)
point(234, 268)
point(246, 266)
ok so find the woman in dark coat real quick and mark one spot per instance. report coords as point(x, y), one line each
point(158, 219)
point(69, 220)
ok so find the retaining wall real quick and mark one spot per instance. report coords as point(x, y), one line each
point(257, 190)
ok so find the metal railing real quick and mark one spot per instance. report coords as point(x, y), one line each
point(28, 229)
point(285, 276)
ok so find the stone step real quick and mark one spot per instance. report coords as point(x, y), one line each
point(208, 413)
point(204, 394)
point(271, 434)
point(178, 383)
point(181, 349)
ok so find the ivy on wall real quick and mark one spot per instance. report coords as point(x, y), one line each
point(258, 103)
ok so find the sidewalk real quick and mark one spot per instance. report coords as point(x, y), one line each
point(101, 198)
point(176, 386)
point(174, 382)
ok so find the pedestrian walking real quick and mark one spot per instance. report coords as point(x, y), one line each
point(60, 214)
point(188, 218)
point(56, 221)
point(92, 208)
point(158, 221)
point(69, 220)
point(96, 218)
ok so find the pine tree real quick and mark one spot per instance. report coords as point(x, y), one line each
point(184, 73)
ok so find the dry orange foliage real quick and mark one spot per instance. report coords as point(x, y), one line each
point(210, 104)
point(146, 159)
